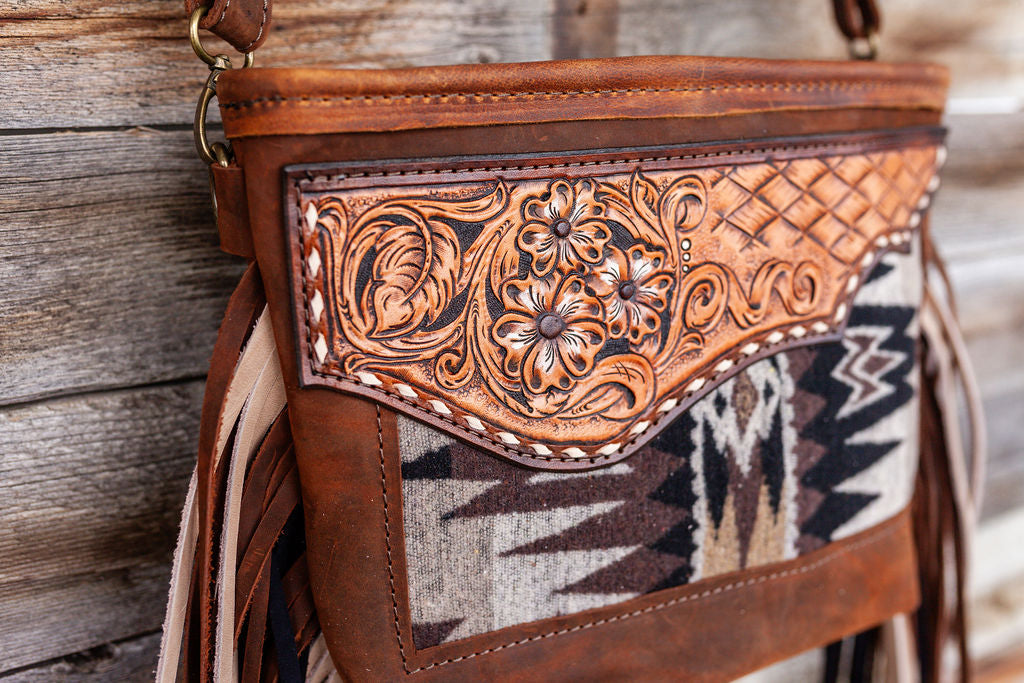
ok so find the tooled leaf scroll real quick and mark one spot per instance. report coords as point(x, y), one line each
point(562, 313)
point(416, 261)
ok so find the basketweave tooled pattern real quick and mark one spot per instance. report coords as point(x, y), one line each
point(555, 314)
point(837, 202)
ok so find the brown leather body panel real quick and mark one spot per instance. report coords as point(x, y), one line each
point(230, 204)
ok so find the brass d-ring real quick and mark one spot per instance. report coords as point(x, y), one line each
point(218, 153)
point(207, 153)
point(197, 45)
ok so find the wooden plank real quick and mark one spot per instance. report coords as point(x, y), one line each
point(1004, 482)
point(120, 66)
point(996, 593)
point(1004, 667)
point(978, 222)
point(128, 661)
point(125, 64)
point(580, 28)
point(997, 620)
point(112, 276)
point(977, 210)
point(92, 488)
point(979, 40)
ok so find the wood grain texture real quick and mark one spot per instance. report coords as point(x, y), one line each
point(92, 487)
point(125, 64)
point(978, 219)
point(139, 68)
point(111, 274)
point(110, 277)
point(127, 661)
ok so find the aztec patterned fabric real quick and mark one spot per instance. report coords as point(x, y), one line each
point(802, 448)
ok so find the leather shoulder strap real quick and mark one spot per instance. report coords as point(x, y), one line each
point(245, 24)
point(857, 19)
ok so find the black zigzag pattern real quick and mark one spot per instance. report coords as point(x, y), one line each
point(677, 490)
point(436, 464)
point(843, 459)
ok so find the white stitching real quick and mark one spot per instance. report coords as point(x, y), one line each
point(443, 97)
point(222, 14)
point(259, 33)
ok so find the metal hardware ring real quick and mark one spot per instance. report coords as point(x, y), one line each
point(218, 153)
point(197, 44)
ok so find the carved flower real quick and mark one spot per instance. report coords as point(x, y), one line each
point(564, 226)
point(634, 287)
point(550, 331)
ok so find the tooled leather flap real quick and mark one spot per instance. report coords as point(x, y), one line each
point(561, 310)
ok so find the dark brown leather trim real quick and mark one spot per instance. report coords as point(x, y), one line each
point(712, 630)
point(315, 101)
point(228, 184)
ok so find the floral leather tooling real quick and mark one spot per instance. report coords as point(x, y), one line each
point(594, 295)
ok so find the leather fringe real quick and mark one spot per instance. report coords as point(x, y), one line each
point(240, 606)
point(950, 480)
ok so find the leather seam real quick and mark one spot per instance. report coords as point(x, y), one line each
point(533, 95)
point(695, 597)
point(710, 376)
point(821, 146)
point(259, 34)
point(223, 14)
point(387, 540)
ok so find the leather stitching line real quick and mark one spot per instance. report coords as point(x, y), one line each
point(222, 15)
point(387, 539)
point(592, 459)
point(259, 34)
point(764, 578)
point(530, 95)
point(821, 146)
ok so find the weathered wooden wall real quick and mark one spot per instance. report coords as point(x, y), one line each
point(111, 286)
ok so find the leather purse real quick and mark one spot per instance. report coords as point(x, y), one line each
point(609, 369)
